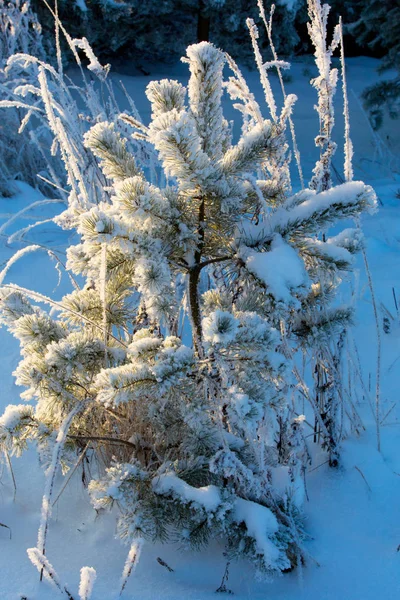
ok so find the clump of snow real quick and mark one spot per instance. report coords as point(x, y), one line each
point(261, 523)
point(208, 496)
point(350, 238)
point(280, 269)
point(333, 251)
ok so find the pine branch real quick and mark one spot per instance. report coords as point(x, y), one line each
point(97, 438)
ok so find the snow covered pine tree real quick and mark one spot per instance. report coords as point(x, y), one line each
point(199, 438)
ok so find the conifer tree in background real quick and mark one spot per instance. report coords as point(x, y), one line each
point(378, 28)
point(228, 28)
point(131, 33)
point(174, 360)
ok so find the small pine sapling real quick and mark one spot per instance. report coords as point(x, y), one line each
point(193, 426)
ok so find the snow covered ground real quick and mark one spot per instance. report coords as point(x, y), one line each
point(353, 513)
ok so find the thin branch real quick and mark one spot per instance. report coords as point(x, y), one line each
point(211, 261)
point(95, 438)
point(379, 352)
point(363, 476)
point(6, 527)
point(78, 462)
point(11, 471)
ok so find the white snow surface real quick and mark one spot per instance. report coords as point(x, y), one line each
point(352, 513)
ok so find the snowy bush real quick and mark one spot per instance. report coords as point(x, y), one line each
point(176, 359)
point(55, 113)
point(20, 157)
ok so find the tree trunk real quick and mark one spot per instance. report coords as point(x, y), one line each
point(195, 313)
point(194, 277)
point(203, 24)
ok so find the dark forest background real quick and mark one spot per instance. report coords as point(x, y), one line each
point(160, 30)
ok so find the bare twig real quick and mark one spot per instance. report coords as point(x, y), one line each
point(7, 527)
point(379, 351)
point(11, 472)
point(222, 588)
point(78, 462)
point(164, 564)
point(363, 476)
